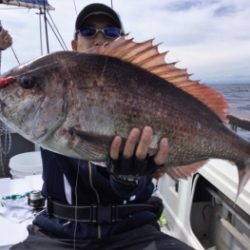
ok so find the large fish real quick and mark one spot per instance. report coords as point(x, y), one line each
point(75, 103)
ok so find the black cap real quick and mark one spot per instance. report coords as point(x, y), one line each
point(97, 9)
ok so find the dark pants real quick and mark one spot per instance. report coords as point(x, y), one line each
point(147, 237)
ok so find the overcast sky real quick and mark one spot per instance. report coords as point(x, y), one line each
point(211, 38)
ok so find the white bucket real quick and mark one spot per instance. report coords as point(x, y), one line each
point(25, 164)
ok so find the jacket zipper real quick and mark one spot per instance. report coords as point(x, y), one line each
point(97, 195)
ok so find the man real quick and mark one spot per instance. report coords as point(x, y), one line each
point(91, 207)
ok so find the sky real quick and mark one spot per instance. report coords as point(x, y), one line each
point(211, 38)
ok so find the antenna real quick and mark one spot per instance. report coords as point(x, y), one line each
point(111, 2)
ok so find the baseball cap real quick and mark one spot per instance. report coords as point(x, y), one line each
point(97, 9)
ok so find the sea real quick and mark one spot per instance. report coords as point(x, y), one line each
point(238, 97)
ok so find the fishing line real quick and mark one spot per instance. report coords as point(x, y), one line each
point(76, 204)
point(15, 55)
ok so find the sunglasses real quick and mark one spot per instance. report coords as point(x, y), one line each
point(111, 32)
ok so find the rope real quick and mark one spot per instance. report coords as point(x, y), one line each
point(15, 55)
point(76, 203)
point(56, 32)
point(58, 39)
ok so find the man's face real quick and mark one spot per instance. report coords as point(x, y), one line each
point(84, 44)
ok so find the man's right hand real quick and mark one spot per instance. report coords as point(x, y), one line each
point(134, 159)
point(5, 39)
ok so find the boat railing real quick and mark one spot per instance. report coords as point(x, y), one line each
point(239, 119)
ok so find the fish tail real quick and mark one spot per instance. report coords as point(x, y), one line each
point(244, 175)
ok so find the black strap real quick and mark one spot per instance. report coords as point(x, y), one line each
point(95, 213)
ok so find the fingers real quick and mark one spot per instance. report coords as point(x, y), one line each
point(138, 144)
point(129, 147)
point(115, 147)
point(162, 154)
point(143, 146)
point(131, 143)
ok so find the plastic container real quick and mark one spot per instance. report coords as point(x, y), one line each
point(25, 164)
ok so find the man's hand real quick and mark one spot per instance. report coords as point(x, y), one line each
point(5, 39)
point(137, 145)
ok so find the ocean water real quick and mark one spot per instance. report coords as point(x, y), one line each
point(238, 97)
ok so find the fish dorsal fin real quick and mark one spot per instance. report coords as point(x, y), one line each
point(147, 56)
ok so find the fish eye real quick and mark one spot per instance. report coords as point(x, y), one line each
point(27, 82)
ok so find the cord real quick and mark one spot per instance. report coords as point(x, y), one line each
point(76, 203)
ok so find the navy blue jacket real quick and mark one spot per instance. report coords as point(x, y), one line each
point(94, 186)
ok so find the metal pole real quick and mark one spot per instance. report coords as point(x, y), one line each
point(46, 29)
point(41, 33)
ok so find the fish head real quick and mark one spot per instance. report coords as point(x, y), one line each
point(31, 94)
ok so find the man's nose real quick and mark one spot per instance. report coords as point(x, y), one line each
point(98, 43)
point(100, 39)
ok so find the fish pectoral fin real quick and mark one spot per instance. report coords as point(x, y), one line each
point(90, 146)
point(182, 172)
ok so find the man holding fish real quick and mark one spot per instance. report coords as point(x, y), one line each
point(91, 206)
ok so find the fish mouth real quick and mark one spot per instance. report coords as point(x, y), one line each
point(4, 81)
